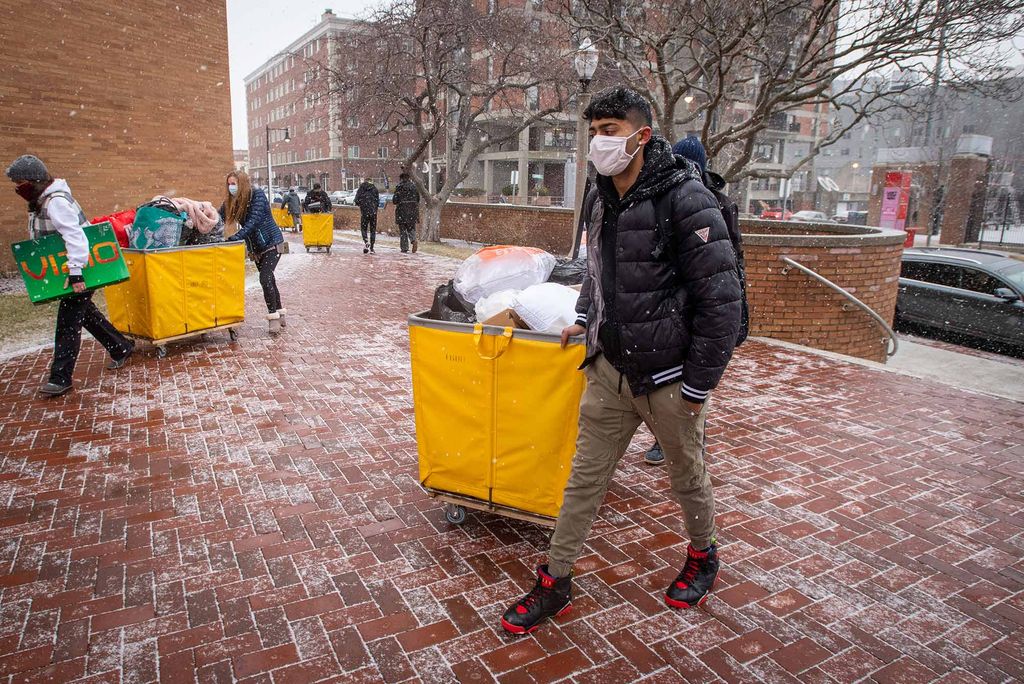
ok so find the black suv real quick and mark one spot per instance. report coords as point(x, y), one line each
point(973, 293)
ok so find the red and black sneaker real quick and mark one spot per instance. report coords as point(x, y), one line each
point(550, 597)
point(694, 583)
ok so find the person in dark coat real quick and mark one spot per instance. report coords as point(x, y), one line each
point(246, 211)
point(52, 210)
point(291, 203)
point(660, 311)
point(692, 149)
point(317, 201)
point(368, 200)
point(407, 211)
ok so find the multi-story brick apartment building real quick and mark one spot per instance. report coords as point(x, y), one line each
point(322, 146)
point(332, 146)
point(121, 118)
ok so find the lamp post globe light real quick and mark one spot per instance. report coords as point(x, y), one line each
point(586, 60)
point(270, 174)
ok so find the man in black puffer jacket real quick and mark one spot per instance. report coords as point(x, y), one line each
point(660, 308)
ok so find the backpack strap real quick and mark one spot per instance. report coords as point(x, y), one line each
point(663, 226)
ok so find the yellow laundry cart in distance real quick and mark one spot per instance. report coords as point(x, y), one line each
point(283, 219)
point(318, 231)
point(497, 413)
point(178, 293)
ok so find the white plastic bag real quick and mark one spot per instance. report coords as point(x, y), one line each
point(491, 306)
point(494, 269)
point(548, 307)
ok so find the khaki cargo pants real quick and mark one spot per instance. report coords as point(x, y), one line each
point(608, 420)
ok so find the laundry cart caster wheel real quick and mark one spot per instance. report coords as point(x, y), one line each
point(454, 514)
point(307, 250)
point(328, 250)
point(161, 352)
point(233, 334)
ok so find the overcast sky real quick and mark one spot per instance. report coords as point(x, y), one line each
point(259, 29)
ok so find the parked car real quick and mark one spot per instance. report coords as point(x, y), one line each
point(776, 214)
point(808, 216)
point(857, 218)
point(840, 218)
point(385, 198)
point(340, 196)
point(976, 294)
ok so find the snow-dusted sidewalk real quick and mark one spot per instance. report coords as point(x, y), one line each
point(251, 512)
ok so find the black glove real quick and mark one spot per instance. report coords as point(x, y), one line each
point(72, 279)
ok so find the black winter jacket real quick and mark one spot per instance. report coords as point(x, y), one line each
point(407, 203)
point(367, 198)
point(317, 202)
point(660, 313)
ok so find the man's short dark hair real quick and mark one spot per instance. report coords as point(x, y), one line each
point(316, 186)
point(620, 102)
point(404, 176)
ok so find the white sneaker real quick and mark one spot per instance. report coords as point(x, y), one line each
point(281, 313)
point(274, 323)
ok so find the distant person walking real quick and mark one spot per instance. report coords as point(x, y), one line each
point(247, 210)
point(52, 210)
point(291, 203)
point(317, 201)
point(368, 201)
point(407, 211)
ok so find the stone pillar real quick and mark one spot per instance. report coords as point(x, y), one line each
point(967, 181)
point(489, 177)
point(524, 166)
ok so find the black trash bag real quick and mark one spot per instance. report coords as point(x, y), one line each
point(450, 306)
point(568, 271)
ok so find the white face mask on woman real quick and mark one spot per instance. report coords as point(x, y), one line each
point(233, 189)
point(608, 153)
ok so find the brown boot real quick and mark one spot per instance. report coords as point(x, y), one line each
point(415, 246)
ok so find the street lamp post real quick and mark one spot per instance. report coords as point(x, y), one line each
point(270, 175)
point(586, 64)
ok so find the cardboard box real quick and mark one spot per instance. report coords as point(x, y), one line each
point(507, 319)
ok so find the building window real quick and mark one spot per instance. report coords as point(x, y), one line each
point(353, 121)
point(382, 152)
point(353, 152)
point(533, 98)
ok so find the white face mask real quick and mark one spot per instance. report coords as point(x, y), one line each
point(608, 152)
point(233, 189)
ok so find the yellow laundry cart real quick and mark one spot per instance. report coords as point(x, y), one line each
point(497, 413)
point(283, 219)
point(318, 231)
point(180, 292)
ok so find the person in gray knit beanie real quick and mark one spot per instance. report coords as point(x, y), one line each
point(53, 210)
point(28, 168)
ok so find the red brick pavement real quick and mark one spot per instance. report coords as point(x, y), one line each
point(251, 512)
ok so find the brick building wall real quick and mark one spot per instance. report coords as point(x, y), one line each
point(122, 115)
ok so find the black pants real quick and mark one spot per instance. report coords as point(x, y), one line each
point(266, 263)
point(369, 223)
point(74, 313)
point(407, 231)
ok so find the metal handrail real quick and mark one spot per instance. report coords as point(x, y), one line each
point(822, 279)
